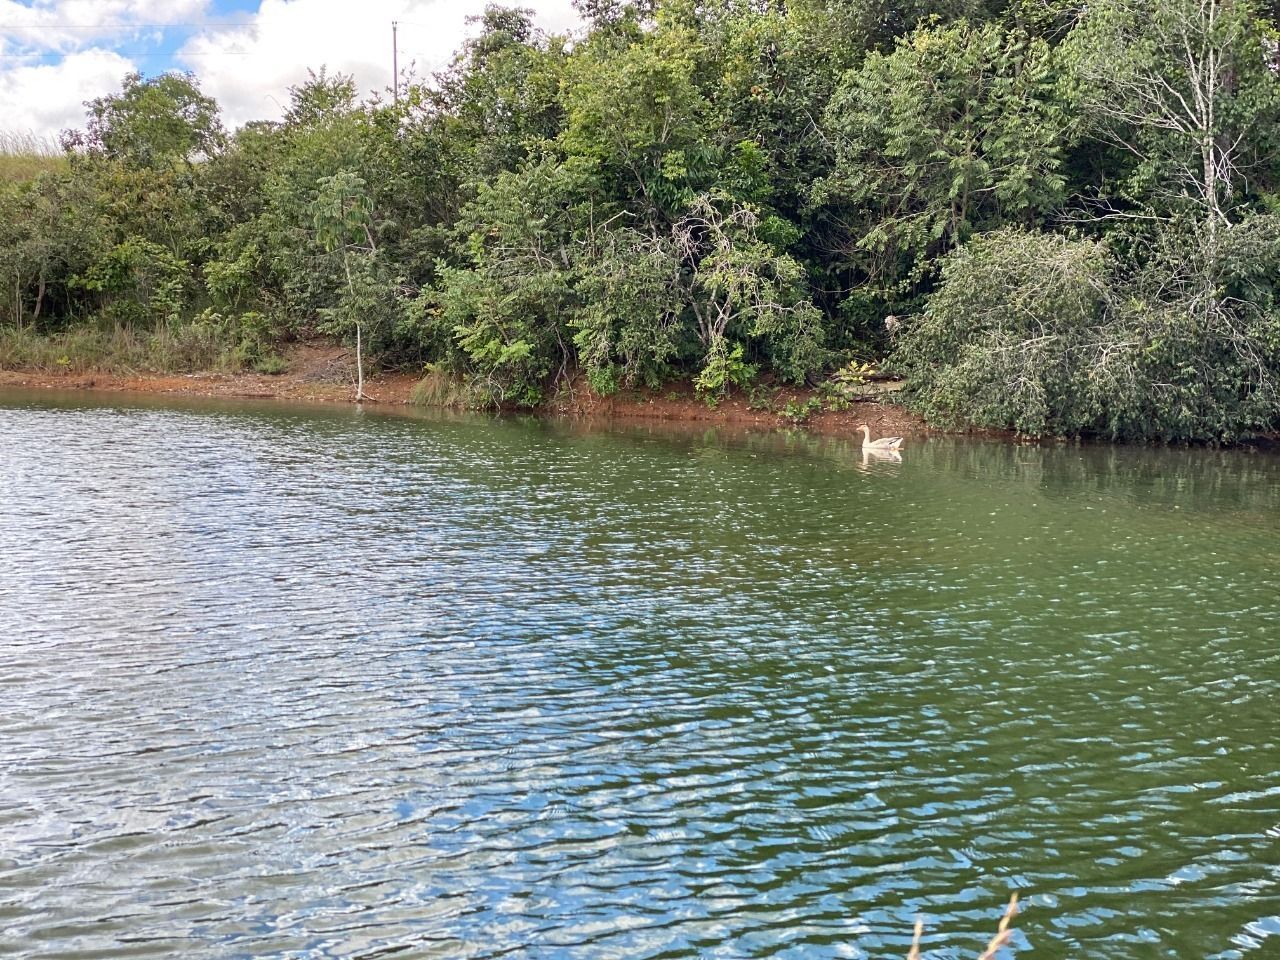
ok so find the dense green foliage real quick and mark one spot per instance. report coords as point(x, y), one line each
point(1050, 216)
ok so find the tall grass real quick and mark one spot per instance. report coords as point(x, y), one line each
point(24, 156)
point(440, 389)
point(121, 350)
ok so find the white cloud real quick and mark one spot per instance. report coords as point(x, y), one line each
point(69, 25)
point(249, 70)
point(58, 52)
point(47, 97)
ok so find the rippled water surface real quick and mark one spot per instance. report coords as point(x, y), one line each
point(312, 683)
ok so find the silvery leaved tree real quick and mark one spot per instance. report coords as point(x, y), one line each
point(1186, 89)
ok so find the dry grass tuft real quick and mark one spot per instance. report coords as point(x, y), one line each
point(440, 389)
point(24, 156)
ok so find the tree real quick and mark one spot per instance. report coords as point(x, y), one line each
point(508, 303)
point(1184, 88)
point(630, 327)
point(53, 230)
point(156, 122)
point(955, 132)
point(321, 98)
point(342, 213)
point(742, 287)
point(499, 101)
point(634, 107)
point(609, 14)
point(273, 250)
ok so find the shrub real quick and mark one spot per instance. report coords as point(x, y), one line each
point(724, 368)
point(1047, 335)
point(628, 329)
point(999, 344)
point(272, 364)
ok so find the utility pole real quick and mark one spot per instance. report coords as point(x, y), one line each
point(395, 64)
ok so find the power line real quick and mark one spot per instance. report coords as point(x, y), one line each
point(125, 26)
point(138, 55)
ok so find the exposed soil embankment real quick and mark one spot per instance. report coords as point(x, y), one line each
point(314, 372)
point(679, 403)
point(324, 373)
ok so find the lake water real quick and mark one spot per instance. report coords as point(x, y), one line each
point(281, 682)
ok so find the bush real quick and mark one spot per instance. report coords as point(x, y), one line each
point(272, 365)
point(141, 283)
point(724, 368)
point(628, 329)
point(1047, 335)
point(999, 344)
point(507, 306)
point(1196, 338)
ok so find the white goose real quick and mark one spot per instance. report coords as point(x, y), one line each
point(884, 443)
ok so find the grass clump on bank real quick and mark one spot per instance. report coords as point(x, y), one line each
point(438, 388)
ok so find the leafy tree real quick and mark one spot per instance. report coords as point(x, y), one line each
point(51, 230)
point(500, 99)
point(140, 282)
point(955, 132)
point(604, 15)
point(507, 306)
point(631, 326)
point(155, 122)
point(742, 288)
point(634, 107)
point(321, 98)
point(342, 213)
point(275, 248)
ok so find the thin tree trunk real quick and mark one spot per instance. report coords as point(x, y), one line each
point(360, 395)
point(35, 314)
point(359, 366)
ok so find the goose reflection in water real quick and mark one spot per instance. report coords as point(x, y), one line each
point(870, 456)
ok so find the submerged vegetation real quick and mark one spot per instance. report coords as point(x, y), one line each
point(1049, 216)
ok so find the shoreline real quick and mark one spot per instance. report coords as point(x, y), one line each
point(676, 404)
point(316, 375)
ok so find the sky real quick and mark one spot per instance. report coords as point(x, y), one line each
point(56, 54)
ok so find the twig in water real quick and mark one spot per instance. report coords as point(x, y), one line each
point(915, 941)
point(1003, 933)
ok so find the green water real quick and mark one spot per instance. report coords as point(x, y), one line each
point(315, 683)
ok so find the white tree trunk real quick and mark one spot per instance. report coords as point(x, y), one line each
point(360, 394)
point(359, 366)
